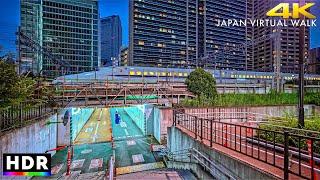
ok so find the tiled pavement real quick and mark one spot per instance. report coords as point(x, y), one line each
point(88, 158)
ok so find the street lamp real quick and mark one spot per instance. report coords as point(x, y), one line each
point(301, 69)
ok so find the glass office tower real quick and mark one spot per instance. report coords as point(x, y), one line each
point(67, 28)
point(182, 33)
point(111, 40)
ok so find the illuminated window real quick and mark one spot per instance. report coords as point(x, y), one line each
point(145, 73)
point(132, 73)
point(138, 73)
point(151, 73)
point(161, 45)
point(141, 43)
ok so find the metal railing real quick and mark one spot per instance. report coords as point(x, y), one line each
point(188, 155)
point(18, 116)
point(295, 154)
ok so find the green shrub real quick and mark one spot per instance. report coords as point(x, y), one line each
point(290, 123)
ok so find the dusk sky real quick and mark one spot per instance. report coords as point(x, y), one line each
point(9, 20)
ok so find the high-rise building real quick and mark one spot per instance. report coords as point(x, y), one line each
point(67, 28)
point(111, 40)
point(314, 61)
point(182, 33)
point(280, 48)
point(124, 56)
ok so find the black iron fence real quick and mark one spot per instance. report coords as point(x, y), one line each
point(18, 116)
point(295, 154)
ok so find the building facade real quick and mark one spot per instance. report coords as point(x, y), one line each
point(68, 29)
point(280, 48)
point(182, 33)
point(124, 56)
point(111, 40)
point(314, 61)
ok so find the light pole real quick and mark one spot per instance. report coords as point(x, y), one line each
point(301, 69)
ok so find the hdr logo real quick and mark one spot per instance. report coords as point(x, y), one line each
point(26, 165)
point(283, 10)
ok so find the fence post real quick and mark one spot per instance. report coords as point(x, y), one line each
point(174, 118)
point(211, 131)
point(196, 127)
point(286, 155)
point(201, 128)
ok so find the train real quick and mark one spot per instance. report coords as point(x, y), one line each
point(176, 74)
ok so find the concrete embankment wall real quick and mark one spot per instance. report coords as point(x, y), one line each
point(179, 141)
point(34, 138)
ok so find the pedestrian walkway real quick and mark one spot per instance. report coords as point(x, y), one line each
point(134, 151)
point(87, 158)
point(126, 128)
point(97, 129)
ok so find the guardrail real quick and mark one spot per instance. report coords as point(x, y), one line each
point(293, 153)
point(188, 155)
point(17, 116)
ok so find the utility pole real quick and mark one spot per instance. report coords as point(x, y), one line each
point(302, 30)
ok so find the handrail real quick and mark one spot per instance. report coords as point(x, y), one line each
point(201, 159)
point(258, 143)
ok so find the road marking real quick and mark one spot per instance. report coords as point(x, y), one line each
point(96, 163)
point(100, 115)
point(77, 163)
point(125, 130)
point(89, 129)
point(96, 131)
point(123, 124)
point(86, 151)
point(137, 158)
point(56, 169)
point(131, 143)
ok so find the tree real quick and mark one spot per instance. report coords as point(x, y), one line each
point(202, 84)
point(13, 88)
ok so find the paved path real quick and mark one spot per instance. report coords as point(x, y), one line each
point(88, 158)
point(97, 129)
point(126, 129)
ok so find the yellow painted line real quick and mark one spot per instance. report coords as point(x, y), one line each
point(140, 167)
